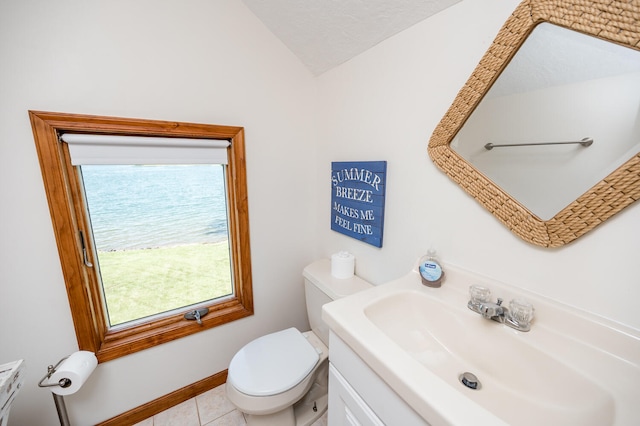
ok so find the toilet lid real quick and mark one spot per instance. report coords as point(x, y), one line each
point(273, 363)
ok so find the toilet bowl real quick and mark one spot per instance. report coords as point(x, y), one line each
point(281, 379)
point(275, 371)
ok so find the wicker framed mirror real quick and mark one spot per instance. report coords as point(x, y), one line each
point(616, 21)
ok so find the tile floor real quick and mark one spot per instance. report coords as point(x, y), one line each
point(211, 408)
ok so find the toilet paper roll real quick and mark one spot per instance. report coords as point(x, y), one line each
point(77, 368)
point(342, 265)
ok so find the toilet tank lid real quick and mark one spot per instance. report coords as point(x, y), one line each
point(273, 363)
point(319, 273)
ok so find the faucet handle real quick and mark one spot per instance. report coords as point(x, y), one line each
point(521, 311)
point(479, 294)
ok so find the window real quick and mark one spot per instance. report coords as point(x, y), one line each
point(151, 222)
point(160, 237)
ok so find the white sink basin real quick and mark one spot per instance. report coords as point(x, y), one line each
point(570, 369)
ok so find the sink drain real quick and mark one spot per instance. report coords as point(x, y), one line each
point(470, 380)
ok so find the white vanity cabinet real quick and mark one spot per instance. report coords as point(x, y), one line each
point(346, 408)
point(359, 397)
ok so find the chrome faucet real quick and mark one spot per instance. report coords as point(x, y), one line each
point(490, 310)
point(518, 315)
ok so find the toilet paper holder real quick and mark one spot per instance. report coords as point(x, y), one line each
point(61, 408)
point(63, 383)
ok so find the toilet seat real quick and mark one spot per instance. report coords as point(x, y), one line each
point(272, 364)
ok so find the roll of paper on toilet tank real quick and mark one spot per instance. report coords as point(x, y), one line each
point(342, 265)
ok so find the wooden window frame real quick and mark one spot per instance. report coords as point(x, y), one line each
point(68, 215)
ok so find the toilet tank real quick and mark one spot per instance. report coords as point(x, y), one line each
point(321, 287)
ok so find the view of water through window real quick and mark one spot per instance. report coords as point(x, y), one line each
point(161, 236)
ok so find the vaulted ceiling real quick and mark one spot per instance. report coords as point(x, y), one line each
point(326, 33)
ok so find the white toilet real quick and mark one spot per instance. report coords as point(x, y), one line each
point(281, 379)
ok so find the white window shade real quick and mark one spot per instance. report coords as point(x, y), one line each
point(113, 149)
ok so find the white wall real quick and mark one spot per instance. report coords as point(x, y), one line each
point(197, 61)
point(384, 105)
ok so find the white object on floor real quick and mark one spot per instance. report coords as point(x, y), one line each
point(11, 379)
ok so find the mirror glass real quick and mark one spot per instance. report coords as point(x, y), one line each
point(560, 86)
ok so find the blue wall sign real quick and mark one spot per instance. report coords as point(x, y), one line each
point(357, 199)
